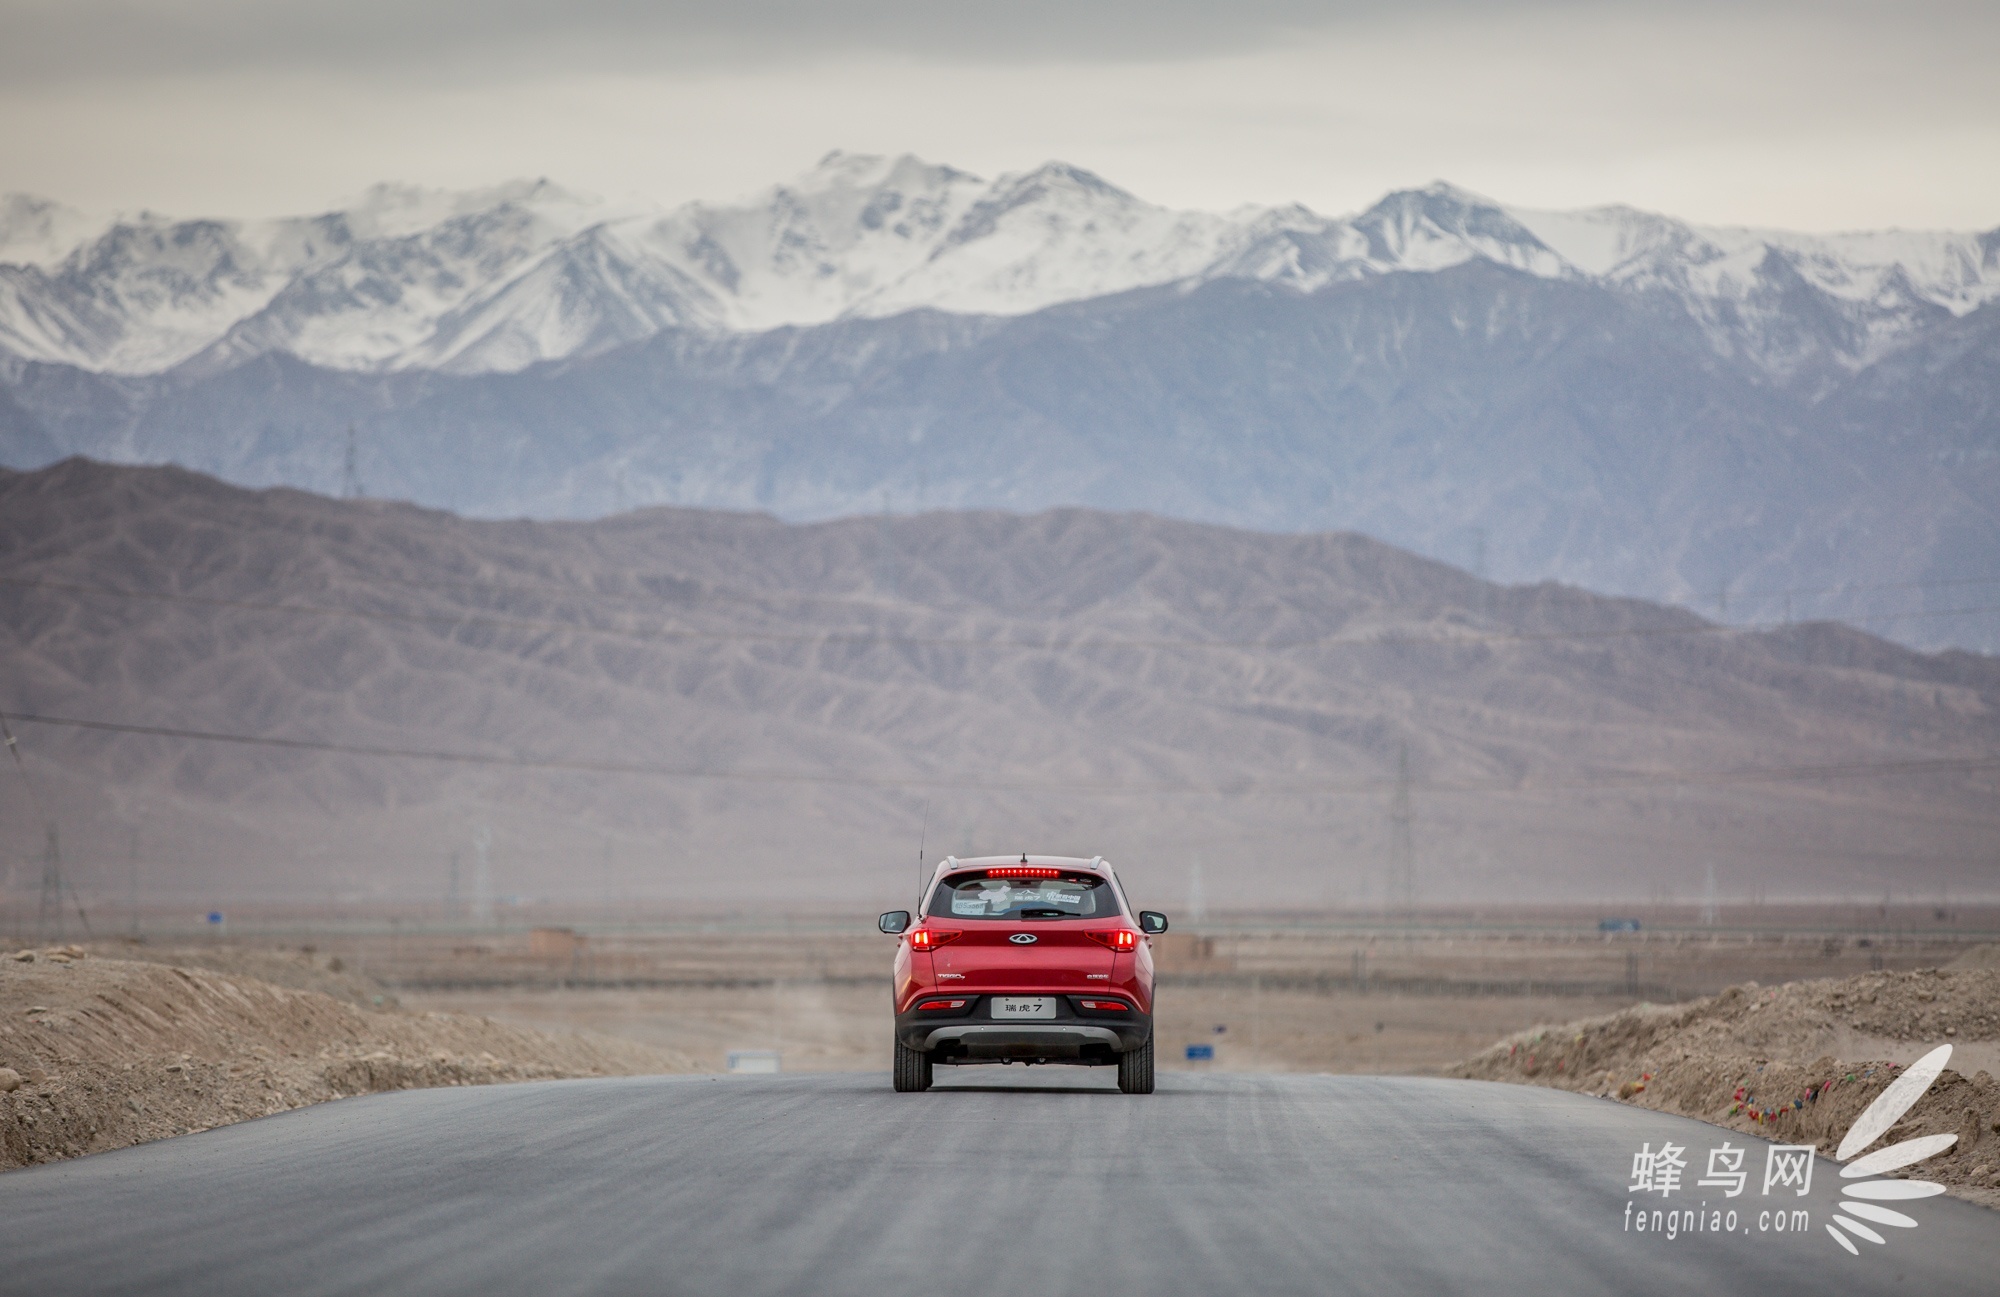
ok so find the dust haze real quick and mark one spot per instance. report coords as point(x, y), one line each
point(350, 702)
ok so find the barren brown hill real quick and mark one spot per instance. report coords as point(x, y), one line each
point(710, 707)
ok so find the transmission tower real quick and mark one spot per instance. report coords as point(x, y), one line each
point(52, 890)
point(885, 553)
point(52, 879)
point(482, 877)
point(1402, 890)
point(132, 890)
point(350, 469)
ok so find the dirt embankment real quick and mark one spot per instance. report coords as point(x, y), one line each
point(98, 1053)
point(1795, 1063)
point(302, 969)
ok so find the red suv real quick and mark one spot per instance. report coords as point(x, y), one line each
point(1030, 960)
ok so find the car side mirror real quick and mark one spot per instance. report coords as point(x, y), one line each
point(896, 921)
point(1152, 922)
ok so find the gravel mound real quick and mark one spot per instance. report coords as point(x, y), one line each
point(1795, 1063)
point(100, 1053)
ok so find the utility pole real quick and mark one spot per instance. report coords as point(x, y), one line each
point(350, 469)
point(1402, 889)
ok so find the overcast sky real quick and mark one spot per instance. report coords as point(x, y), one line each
point(1837, 114)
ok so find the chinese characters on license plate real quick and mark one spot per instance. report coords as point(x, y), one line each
point(1014, 1006)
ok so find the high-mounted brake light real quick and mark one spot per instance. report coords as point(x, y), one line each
point(1116, 938)
point(1024, 871)
point(931, 938)
point(942, 1004)
point(1103, 1006)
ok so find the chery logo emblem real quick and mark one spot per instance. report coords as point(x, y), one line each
point(1023, 938)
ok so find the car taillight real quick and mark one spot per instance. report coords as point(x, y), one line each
point(1024, 871)
point(942, 1004)
point(1116, 938)
point(1105, 1006)
point(931, 938)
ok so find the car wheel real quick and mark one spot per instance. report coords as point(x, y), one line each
point(1135, 1069)
point(913, 1069)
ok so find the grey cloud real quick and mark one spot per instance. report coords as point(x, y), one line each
point(72, 39)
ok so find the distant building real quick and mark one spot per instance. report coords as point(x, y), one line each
point(555, 943)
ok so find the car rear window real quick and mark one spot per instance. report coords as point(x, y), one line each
point(980, 896)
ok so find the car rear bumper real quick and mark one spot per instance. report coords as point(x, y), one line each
point(975, 1037)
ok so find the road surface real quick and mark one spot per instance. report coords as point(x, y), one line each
point(999, 1181)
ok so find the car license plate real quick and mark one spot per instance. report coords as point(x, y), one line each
point(1014, 1006)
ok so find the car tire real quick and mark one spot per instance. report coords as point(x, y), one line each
point(913, 1069)
point(1135, 1069)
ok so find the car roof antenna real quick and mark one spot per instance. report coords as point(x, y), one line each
point(923, 837)
point(1024, 857)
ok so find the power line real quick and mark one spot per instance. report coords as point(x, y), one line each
point(572, 594)
point(1244, 786)
point(1050, 644)
point(1862, 588)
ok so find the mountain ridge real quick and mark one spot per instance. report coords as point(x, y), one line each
point(495, 280)
point(1765, 424)
point(1558, 429)
point(743, 707)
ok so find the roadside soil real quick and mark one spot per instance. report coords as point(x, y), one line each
point(820, 1027)
point(99, 1053)
point(1795, 1063)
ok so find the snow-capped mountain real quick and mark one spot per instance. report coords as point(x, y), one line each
point(495, 280)
point(37, 232)
point(1760, 422)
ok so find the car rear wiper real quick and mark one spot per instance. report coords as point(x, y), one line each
point(1042, 914)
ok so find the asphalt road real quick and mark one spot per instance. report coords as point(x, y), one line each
point(999, 1181)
